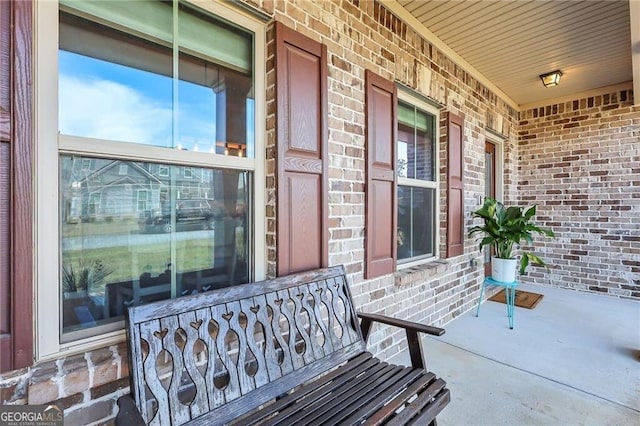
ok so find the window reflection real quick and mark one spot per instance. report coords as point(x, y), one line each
point(135, 232)
point(118, 86)
point(416, 148)
point(416, 213)
point(113, 86)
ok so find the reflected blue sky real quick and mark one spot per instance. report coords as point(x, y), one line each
point(104, 100)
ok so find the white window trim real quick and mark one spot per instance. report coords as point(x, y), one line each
point(403, 95)
point(49, 145)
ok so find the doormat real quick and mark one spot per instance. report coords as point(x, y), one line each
point(524, 299)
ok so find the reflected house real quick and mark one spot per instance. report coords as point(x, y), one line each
point(107, 189)
point(102, 189)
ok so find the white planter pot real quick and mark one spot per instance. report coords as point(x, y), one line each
point(503, 270)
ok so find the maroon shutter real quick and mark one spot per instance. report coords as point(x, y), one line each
point(16, 251)
point(5, 286)
point(301, 92)
point(380, 194)
point(5, 188)
point(455, 194)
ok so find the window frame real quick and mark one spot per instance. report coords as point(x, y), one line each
point(163, 170)
point(498, 142)
point(418, 102)
point(50, 144)
point(145, 200)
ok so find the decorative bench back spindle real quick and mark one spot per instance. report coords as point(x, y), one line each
point(194, 354)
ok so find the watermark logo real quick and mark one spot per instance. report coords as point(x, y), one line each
point(31, 415)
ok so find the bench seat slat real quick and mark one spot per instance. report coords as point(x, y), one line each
point(341, 408)
point(240, 406)
point(412, 411)
point(294, 415)
point(400, 400)
point(381, 400)
point(313, 390)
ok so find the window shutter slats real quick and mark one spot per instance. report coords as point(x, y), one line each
point(302, 203)
point(5, 188)
point(455, 185)
point(5, 237)
point(380, 226)
point(16, 264)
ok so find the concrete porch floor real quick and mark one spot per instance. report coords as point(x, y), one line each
point(573, 360)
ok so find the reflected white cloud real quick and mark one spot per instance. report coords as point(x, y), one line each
point(104, 109)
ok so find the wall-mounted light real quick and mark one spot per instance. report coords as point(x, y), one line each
point(551, 79)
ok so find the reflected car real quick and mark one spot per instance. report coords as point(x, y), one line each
point(189, 215)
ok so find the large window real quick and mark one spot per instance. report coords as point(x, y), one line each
point(417, 179)
point(156, 156)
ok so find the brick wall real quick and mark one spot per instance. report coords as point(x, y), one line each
point(580, 161)
point(359, 35)
point(364, 35)
point(85, 385)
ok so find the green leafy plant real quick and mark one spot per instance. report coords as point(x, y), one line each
point(87, 274)
point(505, 228)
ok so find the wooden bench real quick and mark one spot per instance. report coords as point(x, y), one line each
point(283, 351)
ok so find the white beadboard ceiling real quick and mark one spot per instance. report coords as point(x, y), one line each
point(512, 42)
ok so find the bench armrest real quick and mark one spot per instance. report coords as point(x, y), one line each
point(407, 325)
point(128, 413)
point(412, 329)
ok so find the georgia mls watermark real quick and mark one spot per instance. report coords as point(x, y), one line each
point(31, 415)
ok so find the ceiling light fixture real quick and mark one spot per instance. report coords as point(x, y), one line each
point(551, 79)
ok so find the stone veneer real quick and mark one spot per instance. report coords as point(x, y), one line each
point(359, 35)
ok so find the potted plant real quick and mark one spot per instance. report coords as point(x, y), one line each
point(503, 230)
point(87, 275)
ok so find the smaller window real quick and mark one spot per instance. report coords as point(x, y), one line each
point(417, 180)
point(187, 173)
point(122, 170)
point(93, 205)
point(143, 197)
point(164, 171)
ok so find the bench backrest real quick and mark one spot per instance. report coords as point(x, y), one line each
point(208, 352)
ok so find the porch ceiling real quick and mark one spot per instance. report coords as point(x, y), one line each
point(512, 42)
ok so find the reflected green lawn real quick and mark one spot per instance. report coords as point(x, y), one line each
point(129, 262)
point(102, 227)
